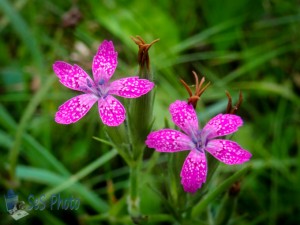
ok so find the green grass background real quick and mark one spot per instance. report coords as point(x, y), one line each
point(248, 45)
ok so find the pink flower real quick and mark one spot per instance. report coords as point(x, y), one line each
point(100, 89)
point(194, 170)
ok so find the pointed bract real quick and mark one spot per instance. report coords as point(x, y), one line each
point(193, 172)
point(74, 109)
point(130, 87)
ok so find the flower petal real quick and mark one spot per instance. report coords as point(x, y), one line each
point(111, 111)
point(130, 87)
point(228, 152)
point(168, 140)
point(222, 124)
point(193, 172)
point(75, 108)
point(184, 116)
point(105, 61)
point(73, 77)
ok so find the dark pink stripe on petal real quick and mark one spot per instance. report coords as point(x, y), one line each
point(222, 124)
point(228, 152)
point(194, 171)
point(105, 61)
point(111, 111)
point(168, 140)
point(75, 108)
point(130, 87)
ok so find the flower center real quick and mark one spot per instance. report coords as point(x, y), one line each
point(199, 140)
point(102, 88)
point(99, 89)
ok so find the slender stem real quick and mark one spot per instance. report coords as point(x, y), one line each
point(212, 165)
point(134, 201)
point(118, 136)
point(202, 205)
point(152, 162)
point(226, 209)
point(140, 122)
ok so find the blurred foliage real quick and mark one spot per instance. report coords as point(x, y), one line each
point(252, 46)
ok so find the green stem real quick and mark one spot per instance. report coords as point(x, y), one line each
point(202, 205)
point(153, 161)
point(140, 122)
point(213, 164)
point(118, 136)
point(226, 209)
point(134, 201)
point(134, 179)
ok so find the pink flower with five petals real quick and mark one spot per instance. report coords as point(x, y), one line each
point(100, 89)
point(199, 141)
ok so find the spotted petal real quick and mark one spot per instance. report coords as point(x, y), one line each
point(105, 62)
point(130, 87)
point(228, 152)
point(111, 111)
point(75, 108)
point(193, 172)
point(73, 77)
point(168, 140)
point(184, 116)
point(222, 124)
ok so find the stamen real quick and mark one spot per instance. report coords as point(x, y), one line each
point(101, 81)
point(99, 92)
point(104, 96)
point(199, 140)
point(83, 88)
point(88, 82)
